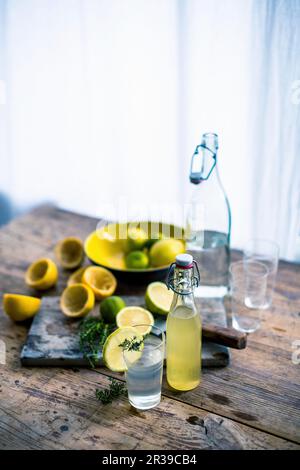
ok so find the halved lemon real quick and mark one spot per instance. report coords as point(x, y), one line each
point(20, 307)
point(158, 298)
point(100, 280)
point(42, 274)
point(113, 352)
point(77, 300)
point(76, 276)
point(69, 252)
point(132, 316)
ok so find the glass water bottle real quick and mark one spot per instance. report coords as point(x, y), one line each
point(183, 326)
point(208, 223)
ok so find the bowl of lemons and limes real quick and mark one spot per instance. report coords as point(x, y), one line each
point(135, 252)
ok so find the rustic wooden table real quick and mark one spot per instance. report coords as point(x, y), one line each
point(252, 404)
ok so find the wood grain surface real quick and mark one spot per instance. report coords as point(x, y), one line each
point(253, 403)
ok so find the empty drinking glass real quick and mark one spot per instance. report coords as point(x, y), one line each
point(248, 282)
point(267, 253)
point(144, 376)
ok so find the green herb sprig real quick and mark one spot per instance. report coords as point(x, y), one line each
point(131, 344)
point(116, 389)
point(92, 335)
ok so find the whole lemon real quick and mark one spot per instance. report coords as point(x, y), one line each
point(164, 252)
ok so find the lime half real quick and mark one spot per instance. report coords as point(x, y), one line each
point(131, 316)
point(113, 351)
point(158, 298)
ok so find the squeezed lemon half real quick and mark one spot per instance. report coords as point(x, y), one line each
point(69, 252)
point(76, 276)
point(42, 274)
point(77, 300)
point(100, 280)
point(20, 307)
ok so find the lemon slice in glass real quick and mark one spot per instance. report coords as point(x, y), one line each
point(100, 280)
point(77, 300)
point(20, 307)
point(158, 298)
point(113, 351)
point(42, 274)
point(69, 252)
point(131, 316)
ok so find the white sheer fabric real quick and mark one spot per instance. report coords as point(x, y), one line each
point(106, 100)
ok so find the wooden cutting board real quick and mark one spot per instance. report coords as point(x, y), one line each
point(53, 338)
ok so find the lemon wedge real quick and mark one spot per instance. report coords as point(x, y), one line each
point(20, 307)
point(69, 252)
point(42, 274)
point(100, 280)
point(77, 300)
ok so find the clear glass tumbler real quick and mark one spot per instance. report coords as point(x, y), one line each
point(267, 253)
point(144, 376)
point(248, 282)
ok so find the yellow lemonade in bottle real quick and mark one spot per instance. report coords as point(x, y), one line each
point(184, 349)
point(183, 329)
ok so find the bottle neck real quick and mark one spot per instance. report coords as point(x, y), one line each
point(211, 141)
point(183, 283)
point(204, 160)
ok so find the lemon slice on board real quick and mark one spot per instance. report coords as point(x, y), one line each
point(100, 280)
point(158, 298)
point(76, 276)
point(113, 356)
point(20, 307)
point(69, 252)
point(77, 300)
point(42, 274)
point(132, 316)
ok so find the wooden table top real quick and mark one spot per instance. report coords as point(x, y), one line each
point(251, 404)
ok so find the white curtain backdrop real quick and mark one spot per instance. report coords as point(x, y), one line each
point(106, 100)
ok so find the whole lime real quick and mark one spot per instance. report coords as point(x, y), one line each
point(136, 239)
point(164, 252)
point(110, 307)
point(137, 260)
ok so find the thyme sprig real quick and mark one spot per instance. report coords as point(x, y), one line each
point(131, 344)
point(92, 335)
point(116, 389)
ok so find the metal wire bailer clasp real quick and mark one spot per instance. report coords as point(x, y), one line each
point(171, 279)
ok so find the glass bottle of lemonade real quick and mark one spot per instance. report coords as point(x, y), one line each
point(183, 326)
